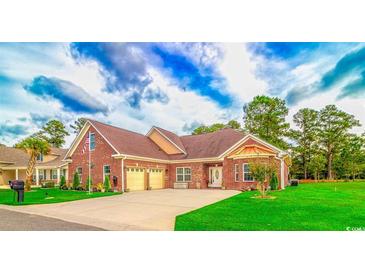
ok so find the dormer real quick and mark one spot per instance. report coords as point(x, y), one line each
point(167, 141)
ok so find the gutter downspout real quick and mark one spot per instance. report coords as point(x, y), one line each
point(282, 173)
point(124, 157)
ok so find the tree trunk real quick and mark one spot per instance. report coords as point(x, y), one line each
point(305, 167)
point(29, 172)
point(329, 166)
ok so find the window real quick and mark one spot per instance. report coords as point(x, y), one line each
point(40, 157)
point(42, 175)
point(92, 141)
point(183, 174)
point(246, 173)
point(79, 172)
point(236, 173)
point(106, 171)
point(54, 174)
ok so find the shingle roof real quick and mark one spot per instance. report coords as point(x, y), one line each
point(129, 142)
point(209, 144)
point(196, 146)
point(15, 157)
point(173, 137)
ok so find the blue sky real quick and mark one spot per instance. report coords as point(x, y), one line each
point(173, 85)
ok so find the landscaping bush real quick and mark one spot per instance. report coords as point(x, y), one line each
point(89, 184)
point(106, 183)
point(100, 187)
point(48, 185)
point(63, 182)
point(64, 187)
point(76, 181)
point(274, 182)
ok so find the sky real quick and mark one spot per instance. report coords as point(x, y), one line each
point(177, 86)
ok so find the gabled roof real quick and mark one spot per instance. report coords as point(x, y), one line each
point(252, 150)
point(129, 142)
point(208, 145)
point(171, 137)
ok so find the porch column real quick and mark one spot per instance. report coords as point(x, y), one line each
point(122, 173)
point(58, 175)
point(37, 176)
point(16, 174)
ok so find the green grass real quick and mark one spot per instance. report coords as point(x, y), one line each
point(39, 196)
point(322, 206)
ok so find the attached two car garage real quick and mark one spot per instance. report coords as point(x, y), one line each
point(142, 178)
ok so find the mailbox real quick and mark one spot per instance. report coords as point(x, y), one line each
point(18, 187)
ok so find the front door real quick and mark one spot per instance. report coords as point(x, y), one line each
point(216, 176)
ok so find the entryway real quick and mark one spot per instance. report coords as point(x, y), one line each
point(215, 176)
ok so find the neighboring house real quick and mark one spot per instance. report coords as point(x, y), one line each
point(14, 161)
point(162, 159)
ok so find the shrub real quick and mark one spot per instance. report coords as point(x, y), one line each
point(63, 182)
point(76, 181)
point(100, 187)
point(274, 182)
point(106, 183)
point(48, 185)
point(89, 184)
point(64, 187)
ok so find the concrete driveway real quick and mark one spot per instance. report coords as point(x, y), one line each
point(144, 210)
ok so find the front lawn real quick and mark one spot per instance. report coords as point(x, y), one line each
point(322, 206)
point(49, 196)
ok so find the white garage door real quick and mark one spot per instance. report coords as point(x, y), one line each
point(156, 180)
point(135, 178)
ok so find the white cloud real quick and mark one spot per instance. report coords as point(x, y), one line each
point(238, 68)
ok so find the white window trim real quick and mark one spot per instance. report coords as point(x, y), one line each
point(191, 174)
point(243, 174)
point(92, 133)
point(104, 171)
point(236, 171)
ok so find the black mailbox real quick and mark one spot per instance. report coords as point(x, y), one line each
point(18, 187)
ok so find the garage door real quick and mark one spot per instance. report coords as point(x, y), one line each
point(156, 178)
point(135, 178)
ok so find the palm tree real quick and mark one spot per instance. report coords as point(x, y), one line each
point(32, 146)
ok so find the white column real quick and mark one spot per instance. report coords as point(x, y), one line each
point(58, 175)
point(16, 174)
point(122, 174)
point(37, 176)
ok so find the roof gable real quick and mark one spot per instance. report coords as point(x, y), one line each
point(168, 141)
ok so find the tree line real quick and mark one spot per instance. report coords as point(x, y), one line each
point(321, 143)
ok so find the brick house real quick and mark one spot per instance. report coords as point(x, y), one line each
point(162, 159)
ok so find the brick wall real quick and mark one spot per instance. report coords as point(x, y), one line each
point(99, 157)
point(228, 173)
point(198, 174)
point(146, 165)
